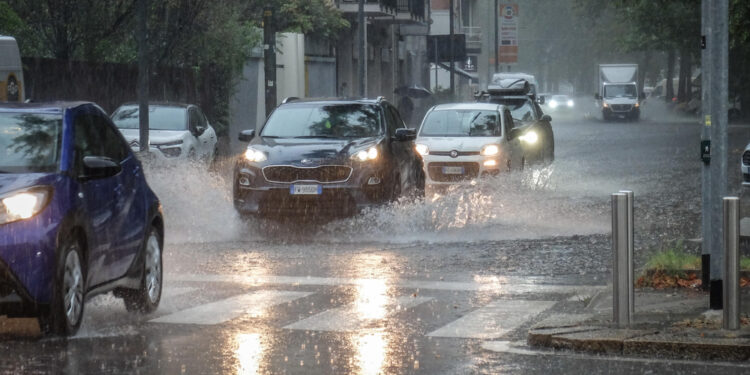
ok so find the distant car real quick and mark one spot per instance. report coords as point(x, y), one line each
point(77, 217)
point(745, 166)
point(516, 95)
point(327, 158)
point(460, 142)
point(559, 103)
point(175, 130)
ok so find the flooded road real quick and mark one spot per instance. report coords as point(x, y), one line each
point(414, 287)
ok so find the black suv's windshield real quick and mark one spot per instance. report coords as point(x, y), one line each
point(521, 109)
point(324, 121)
point(159, 118)
point(29, 142)
point(461, 123)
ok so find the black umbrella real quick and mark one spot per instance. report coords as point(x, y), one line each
point(413, 91)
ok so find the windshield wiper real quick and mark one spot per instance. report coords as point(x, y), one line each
point(316, 136)
point(270, 136)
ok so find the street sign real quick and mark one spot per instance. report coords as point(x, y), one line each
point(442, 43)
point(508, 48)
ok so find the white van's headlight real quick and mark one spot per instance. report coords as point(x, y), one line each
point(23, 204)
point(422, 149)
point(490, 150)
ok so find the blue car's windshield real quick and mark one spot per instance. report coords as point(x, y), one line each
point(29, 142)
point(324, 121)
point(159, 118)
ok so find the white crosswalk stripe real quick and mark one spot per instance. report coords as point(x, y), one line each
point(372, 305)
point(493, 320)
point(355, 317)
point(253, 304)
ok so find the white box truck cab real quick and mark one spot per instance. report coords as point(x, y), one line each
point(11, 71)
point(618, 95)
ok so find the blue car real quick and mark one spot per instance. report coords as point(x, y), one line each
point(77, 217)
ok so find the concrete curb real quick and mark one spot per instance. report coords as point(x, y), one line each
point(690, 344)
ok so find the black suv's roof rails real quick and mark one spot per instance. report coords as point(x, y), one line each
point(289, 99)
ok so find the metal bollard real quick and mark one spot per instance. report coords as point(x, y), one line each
point(631, 260)
point(731, 263)
point(620, 294)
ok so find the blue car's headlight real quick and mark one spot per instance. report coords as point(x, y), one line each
point(23, 204)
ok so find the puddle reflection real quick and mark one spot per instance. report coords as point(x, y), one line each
point(249, 353)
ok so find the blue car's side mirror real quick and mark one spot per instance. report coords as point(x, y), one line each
point(99, 167)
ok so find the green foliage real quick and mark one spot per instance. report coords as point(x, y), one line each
point(673, 259)
point(745, 264)
point(10, 22)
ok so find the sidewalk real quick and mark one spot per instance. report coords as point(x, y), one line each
point(667, 324)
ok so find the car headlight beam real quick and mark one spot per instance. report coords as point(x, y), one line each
point(22, 205)
point(422, 149)
point(529, 137)
point(254, 155)
point(490, 150)
point(365, 155)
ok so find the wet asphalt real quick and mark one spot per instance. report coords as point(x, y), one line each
point(418, 287)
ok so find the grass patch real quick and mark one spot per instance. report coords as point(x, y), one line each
point(745, 264)
point(673, 260)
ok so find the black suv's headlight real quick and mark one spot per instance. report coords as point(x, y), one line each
point(366, 154)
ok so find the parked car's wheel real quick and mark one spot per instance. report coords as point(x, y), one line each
point(66, 308)
point(146, 298)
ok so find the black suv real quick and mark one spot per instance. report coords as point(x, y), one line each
point(518, 96)
point(326, 158)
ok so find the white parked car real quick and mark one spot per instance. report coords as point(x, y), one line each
point(175, 130)
point(460, 142)
point(745, 166)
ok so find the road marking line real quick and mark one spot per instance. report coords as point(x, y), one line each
point(171, 292)
point(218, 312)
point(519, 349)
point(350, 318)
point(493, 320)
point(502, 285)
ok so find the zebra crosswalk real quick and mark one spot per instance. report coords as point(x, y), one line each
point(371, 303)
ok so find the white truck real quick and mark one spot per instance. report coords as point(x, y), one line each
point(11, 71)
point(618, 95)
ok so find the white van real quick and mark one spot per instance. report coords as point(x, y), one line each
point(11, 71)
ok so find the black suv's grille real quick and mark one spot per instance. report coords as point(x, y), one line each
point(621, 107)
point(326, 173)
point(471, 170)
point(746, 158)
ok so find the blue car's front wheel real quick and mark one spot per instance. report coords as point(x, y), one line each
point(146, 298)
point(66, 310)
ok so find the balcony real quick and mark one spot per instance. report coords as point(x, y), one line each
point(397, 11)
point(473, 38)
point(411, 10)
point(373, 8)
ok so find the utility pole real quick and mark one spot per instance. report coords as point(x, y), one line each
point(496, 16)
point(706, 235)
point(718, 69)
point(362, 45)
point(142, 40)
point(452, 52)
point(269, 59)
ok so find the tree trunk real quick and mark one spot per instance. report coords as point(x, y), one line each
point(670, 73)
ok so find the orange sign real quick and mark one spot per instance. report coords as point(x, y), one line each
point(508, 48)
